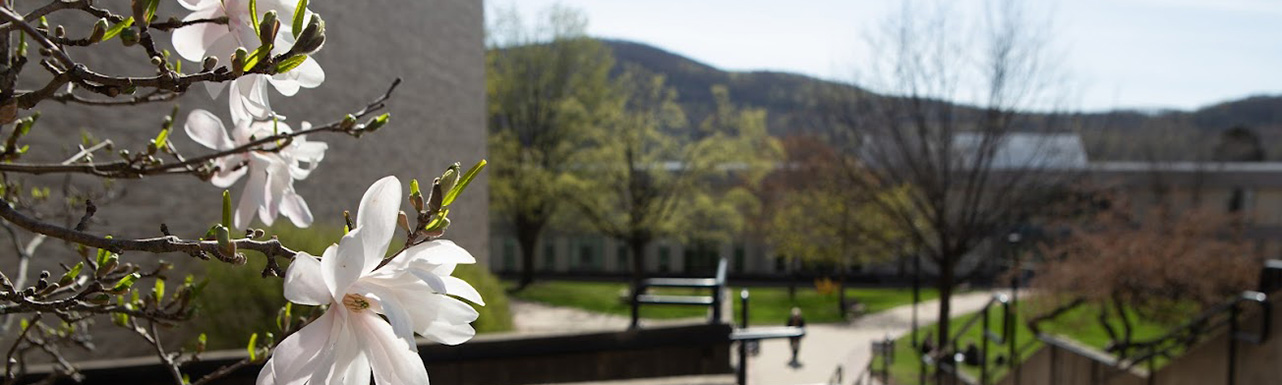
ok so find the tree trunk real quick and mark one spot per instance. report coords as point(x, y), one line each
point(945, 287)
point(527, 238)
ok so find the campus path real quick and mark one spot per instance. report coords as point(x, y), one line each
point(825, 347)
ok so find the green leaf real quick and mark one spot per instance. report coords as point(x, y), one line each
point(437, 221)
point(299, 13)
point(73, 273)
point(291, 63)
point(115, 29)
point(252, 348)
point(226, 210)
point(160, 139)
point(159, 290)
point(462, 183)
point(253, 15)
point(151, 10)
point(126, 282)
point(258, 55)
point(414, 187)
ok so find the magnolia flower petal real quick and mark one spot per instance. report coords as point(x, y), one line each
point(342, 270)
point(228, 173)
point(455, 312)
point(248, 99)
point(439, 252)
point(357, 371)
point(295, 208)
point(389, 305)
point(434, 281)
point(393, 361)
point(303, 282)
point(279, 184)
point(346, 349)
point(192, 41)
point(449, 334)
point(376, 217)
point(193, 5)
point(301, 354)
point(251, 198)
point(206, 129)
point(460, 288)
point(309, 74)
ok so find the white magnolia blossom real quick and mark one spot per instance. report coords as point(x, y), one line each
point(350, 339)
point(270, 189)
point(248, 98)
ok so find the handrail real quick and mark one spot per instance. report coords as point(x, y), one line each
point(714, 300)
point(951, 353)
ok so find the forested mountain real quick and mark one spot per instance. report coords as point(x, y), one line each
point(791, 102)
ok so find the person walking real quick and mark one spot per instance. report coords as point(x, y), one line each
point(795, 320)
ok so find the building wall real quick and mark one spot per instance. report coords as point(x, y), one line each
point(565, 254)
point(438, 117)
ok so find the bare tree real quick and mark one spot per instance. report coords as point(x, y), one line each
point(969, 172)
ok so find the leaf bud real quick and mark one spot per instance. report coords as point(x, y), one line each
point(312, 38)
point(238, 61)
point(209, 63)
point(156, 60)
point(128, 37)
point(403, 221)
point(450, 177)
point(268, 28)
point(59, 32)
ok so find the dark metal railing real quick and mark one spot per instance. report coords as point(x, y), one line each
point(714, 299)
point(948, 358)
point(745, 334)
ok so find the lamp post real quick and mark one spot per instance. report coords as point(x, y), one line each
point(1013, 240)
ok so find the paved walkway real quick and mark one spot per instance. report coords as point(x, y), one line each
point(825, 347)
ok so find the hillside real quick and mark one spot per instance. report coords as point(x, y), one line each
point(790, 103)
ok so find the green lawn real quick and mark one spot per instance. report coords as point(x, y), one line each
point(1078, 324)
point(767, 305)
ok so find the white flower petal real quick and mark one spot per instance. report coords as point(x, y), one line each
point(248, 99)
point(309, 74)
point(295, 208)
point(449, 334)
point(432, 280)
point(376, 217)
point(346, 345)
point(303, 282)
point(460, 288)
point(390, 306)
point(346, 266)
point(393, 361)
point(206, 129)
point(453, 311)
point(251, 198)
point(301, 354)
point(228, 173)
point(191, 42)
point(439, 252)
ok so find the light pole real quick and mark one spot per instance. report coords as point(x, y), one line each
point(1013, 239)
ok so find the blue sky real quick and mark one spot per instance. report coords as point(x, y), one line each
point(1180, 54)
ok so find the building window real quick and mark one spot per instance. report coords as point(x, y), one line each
point(740, 259)
point(549, 255)
point(665, 259)
point(622, 258)
point(509, 255)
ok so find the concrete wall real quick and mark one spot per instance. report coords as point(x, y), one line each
point(438, 117)
point(1063, 362)
point(499, 360)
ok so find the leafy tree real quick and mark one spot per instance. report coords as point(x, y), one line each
point(548, 85)
point(648, 175)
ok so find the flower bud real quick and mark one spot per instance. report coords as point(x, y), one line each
point(128, 37)
point(156, 60)
point(403, 221)
point(209, 63)
point(268, 28)
point(312, 38)
point(238, 61)
point(224, 241)
point(59, 32)
point(450, 177)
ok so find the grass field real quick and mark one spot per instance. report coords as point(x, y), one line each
point(1079, 324)
point(767, 305)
